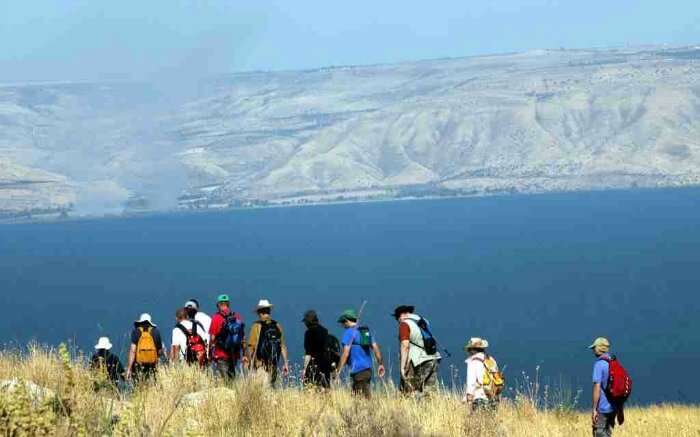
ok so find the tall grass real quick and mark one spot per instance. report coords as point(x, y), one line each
point(84, 404)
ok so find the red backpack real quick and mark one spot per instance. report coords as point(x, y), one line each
point(196, 351)
point(619, 386)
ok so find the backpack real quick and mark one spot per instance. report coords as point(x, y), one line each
point(332, 350)
point(196, 348)
point(493, 381)
point(232, 334)
point(429, 342)
point(269, 346)
point(365, 337)
point(619, 386)
point(146, 352)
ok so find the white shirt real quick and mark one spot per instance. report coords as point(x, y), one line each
point(475, 376)
point(180, 339)
point(205, 320)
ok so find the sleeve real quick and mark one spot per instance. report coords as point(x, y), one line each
point(404, 332)
point(598, 370)
point(176, 337)
point(347, 337)
point(215, 327)
point(135, 334)
point(471, 377)
point(253, 336)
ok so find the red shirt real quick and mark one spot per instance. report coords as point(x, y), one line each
point(217, 324)
point(404, 331)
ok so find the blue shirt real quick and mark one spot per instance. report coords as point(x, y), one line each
point(601, 370)
point(360, 358)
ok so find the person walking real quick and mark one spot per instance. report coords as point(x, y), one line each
point(193, 313)
point(227, 343)
point(105, 361)
point(419, 357)
point(484, 380)
point(358, 345)
point(266, 343)
point(318, 348)
point(603, 416)
point(188, 344)
point(145, 350)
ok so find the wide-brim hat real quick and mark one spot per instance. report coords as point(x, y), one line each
point(401, 309)
point(476, 343)
point(263, 304)
point(103, 343)
point(145, 318)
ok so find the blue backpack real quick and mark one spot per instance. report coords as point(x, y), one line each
point(231, 336)
point(429, 342)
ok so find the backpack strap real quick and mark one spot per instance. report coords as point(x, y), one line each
point(184, 330)
point(415, 322)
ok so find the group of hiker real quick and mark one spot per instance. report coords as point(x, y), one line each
point(219, 342)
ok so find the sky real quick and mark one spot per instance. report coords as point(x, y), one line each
point(136, 40)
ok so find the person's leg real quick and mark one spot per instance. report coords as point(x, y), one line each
point(604, 425)
point(361, 383)
point(428, 377)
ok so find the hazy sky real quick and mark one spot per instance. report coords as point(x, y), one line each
point(123, 39)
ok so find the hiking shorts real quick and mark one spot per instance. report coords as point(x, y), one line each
point(225, 368)
point(362, 383)
point(604, 425)
point(421, 378)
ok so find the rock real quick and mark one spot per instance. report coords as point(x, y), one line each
point(37, 393)
point(199, 397)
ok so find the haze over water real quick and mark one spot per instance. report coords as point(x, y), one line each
point(538, 276)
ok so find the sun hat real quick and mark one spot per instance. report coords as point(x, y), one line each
point(349, 314)
point(403, 309)
point(600, 344)
point(310, 317)
point(145, 318)
point(262, 304)
point(103, 343)
point(222, 298)
point(476, 343)
point(192, 303)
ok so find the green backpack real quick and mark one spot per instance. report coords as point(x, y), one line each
point(365, 338)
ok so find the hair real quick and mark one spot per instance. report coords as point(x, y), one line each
point(181, 314)
point(190, 312)
point(264, 311)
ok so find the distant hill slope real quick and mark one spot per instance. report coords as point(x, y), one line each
point(529, 122)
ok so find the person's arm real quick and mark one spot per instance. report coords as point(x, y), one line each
point(285, 353)
point(253, 342)
point(404, 346)
point(130, 362)
point(174, 353)
point(380, 361)
point(343, 359)
point(596, 399)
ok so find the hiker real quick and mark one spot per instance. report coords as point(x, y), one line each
point(358, 344)
point(612, 386)
point(104, 360)
point(484, 381)
point(266, 343)
point(193, 313)
point(321, 352)
point(188, 344)
point(145, 350)
point(419, 356)
point(227, 344)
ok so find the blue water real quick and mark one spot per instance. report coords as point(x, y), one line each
point(538, 276)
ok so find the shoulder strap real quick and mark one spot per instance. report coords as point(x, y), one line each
point(184, 330)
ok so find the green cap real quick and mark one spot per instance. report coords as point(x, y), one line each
point(349, 314)
point(222, 298)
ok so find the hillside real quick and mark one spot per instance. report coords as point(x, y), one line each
point(529, 122)
point(67, 400)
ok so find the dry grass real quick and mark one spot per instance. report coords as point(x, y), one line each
point(250, 408)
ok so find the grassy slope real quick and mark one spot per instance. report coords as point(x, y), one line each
point(249, 408)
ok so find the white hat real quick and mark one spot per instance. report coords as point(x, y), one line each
point(191, 304)
point(145, 317)
point(262, 304)
point(103, 343)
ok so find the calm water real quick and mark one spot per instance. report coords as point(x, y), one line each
point(538, 276)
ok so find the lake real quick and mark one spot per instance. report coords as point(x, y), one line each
point(539, 276)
